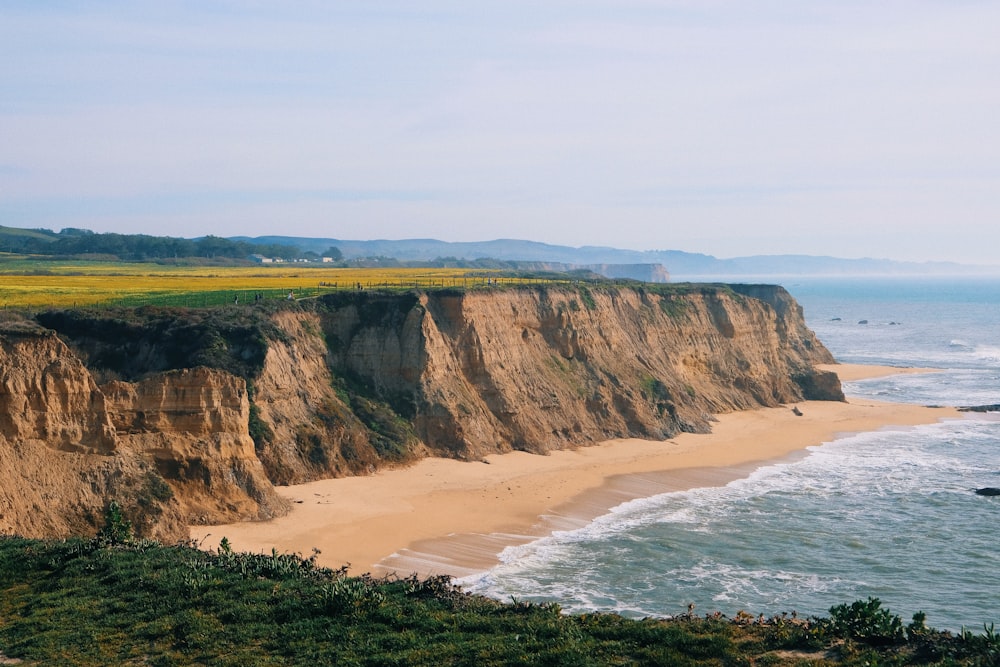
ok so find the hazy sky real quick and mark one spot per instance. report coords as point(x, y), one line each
point(868, 128)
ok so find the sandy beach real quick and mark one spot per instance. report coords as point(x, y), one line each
point(442, 516)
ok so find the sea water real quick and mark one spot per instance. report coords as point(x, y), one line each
point(890, 514)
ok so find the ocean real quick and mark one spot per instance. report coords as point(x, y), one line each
point(890, 514)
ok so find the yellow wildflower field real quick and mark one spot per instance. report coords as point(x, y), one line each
point(46, 284)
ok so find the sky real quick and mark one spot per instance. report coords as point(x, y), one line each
point(726, 127)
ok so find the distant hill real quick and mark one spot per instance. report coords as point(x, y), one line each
point(71, 242)
point(650, 265)
point(679, 264)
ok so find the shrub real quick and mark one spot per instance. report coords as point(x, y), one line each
point(867, 622)
point(260, 431)
point(347, 595)
point(674, 307)
point(654, 388)
point(117, 529)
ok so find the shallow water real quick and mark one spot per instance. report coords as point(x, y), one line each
point(888, 514)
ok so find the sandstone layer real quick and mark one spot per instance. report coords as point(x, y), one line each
point(192, 418)
point(540, 369)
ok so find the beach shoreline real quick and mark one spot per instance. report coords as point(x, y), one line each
point(448, 517)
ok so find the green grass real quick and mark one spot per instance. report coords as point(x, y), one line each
point(587, 298)
point(116, 600)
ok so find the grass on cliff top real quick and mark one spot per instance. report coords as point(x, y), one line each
point(52, 284)
point(115, 600)
point(42, 283)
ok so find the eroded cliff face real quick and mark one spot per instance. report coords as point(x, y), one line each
point(542, 368)
point(192, 425)
point(174, 447)
point(312, 430)
point(47, 394)
point(60, 458)
point(357, 381)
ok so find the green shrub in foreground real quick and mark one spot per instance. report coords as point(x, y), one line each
point(126, 601)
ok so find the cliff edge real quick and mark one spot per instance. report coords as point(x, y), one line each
point(193, 416)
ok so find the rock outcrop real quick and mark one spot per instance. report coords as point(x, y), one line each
point(311, 429)
point(230, 403)
point(192, 425)
point(46, 394)
point(173, 447)
point(542, 368)
point(59, 454)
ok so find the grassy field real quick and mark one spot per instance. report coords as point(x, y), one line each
point(54, 284)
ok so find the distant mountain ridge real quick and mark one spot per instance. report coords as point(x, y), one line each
point(677, 262)
point(648, 265)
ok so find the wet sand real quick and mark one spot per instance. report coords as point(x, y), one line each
point(442, 516)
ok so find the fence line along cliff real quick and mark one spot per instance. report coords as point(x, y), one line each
point(190, 416)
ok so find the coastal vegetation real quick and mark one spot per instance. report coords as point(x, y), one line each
point(67, 284)
point(115, 599)
point(39, 282)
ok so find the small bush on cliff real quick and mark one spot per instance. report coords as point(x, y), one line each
point(260, 430)
point(385, 415)
point(653, 388)
point(674, 307)
point(390, 434)
point(117, 529)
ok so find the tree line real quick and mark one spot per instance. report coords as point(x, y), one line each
point(138, 247)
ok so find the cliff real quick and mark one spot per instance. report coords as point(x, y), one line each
point(192, 416)
point(542, 368)
point(173, 447)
